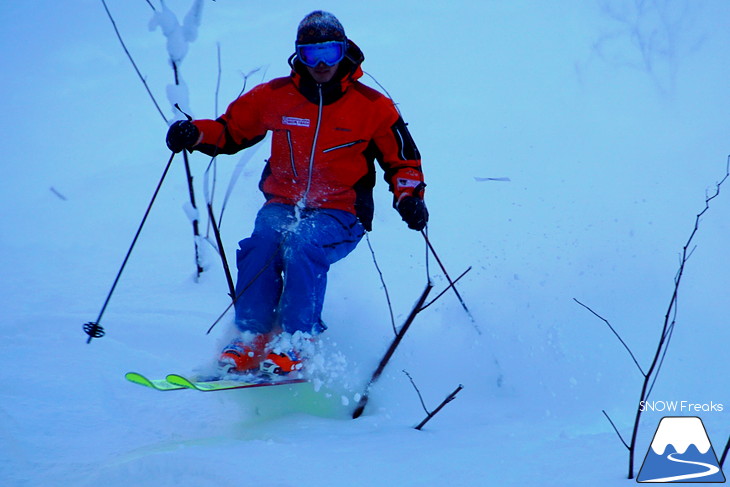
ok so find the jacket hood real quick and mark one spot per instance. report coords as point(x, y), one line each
point(349, 71)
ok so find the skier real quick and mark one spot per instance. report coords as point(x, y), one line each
point(328, 129)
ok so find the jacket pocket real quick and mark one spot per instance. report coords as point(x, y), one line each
point(343, 146)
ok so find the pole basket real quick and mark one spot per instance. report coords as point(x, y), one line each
point(94, 330)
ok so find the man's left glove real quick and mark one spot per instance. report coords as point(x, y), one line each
point(414, 212)
point(182, 135)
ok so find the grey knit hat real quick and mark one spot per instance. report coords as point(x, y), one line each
point(320, 26)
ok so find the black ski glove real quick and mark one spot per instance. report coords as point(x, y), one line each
point(182, 135)
point(414, 212)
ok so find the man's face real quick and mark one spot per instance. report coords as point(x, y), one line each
point(323, 73)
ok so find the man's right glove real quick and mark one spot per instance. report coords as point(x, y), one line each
point(182, 135)
point(414, 212)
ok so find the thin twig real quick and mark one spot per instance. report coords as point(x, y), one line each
point(242, 162)
point(385, 90)
point(426, 256)
point(365, 396)
point(214, 162)
point(451, 282)
point(240, 293)
point(57, 193)
point(418, 391)
point(670, 333)
point(218, 82)
point(669, 320)
point(210, 193)
point(139, 74)
point(445, 290)
point(615, 333)
point(615, 429)
point(382, 281)
point(724, 453)
point(450, 398)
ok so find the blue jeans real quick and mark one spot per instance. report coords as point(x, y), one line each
point(282, 267)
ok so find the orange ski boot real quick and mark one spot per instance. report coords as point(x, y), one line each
point(244, 354)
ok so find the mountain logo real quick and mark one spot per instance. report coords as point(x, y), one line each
point(681, 452)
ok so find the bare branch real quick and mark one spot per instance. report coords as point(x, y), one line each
point(242, 162)
point(365, 397)
point(615, 429)
point(218, 80)
point(57, 193)
point(448, 278)
point(615, 333)
point(670, 318)
point(450, 398)
point(445, 290)
point(382, 281)
point(418, 391)
point(248, 284)
point(144, 81)
point(669, 321)
point(670, 332)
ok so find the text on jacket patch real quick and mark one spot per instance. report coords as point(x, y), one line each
point(298, 122)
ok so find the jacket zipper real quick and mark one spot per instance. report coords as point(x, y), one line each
point(291, 153)
point(314, 146)
point(342, 146)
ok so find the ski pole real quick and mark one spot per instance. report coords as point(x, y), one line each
point(451, 283)
point(222, 252)
point(93, 328)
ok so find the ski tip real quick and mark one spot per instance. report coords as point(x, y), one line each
point(180, 381)
point(137, 378)
point(157, 384)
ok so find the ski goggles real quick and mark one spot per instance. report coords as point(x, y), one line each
point(329, 53)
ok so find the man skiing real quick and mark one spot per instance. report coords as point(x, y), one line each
point(327, 131)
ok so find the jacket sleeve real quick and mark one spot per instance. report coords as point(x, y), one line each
point(240, 127)
point(398, 156)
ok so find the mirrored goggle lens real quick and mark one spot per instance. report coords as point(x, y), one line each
point(329, 53)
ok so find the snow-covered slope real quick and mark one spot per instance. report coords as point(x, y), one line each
point(610, 122)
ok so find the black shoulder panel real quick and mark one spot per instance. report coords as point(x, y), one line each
point(407, 150)
point(364, 204)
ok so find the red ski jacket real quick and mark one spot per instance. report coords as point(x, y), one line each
point(325, 140)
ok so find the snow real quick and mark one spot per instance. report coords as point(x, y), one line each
point(178, 36)
point(605, 124)
point(688, 430)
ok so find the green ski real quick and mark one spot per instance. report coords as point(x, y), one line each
point(158, 384)
point(223, 385)
point(176, 382)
